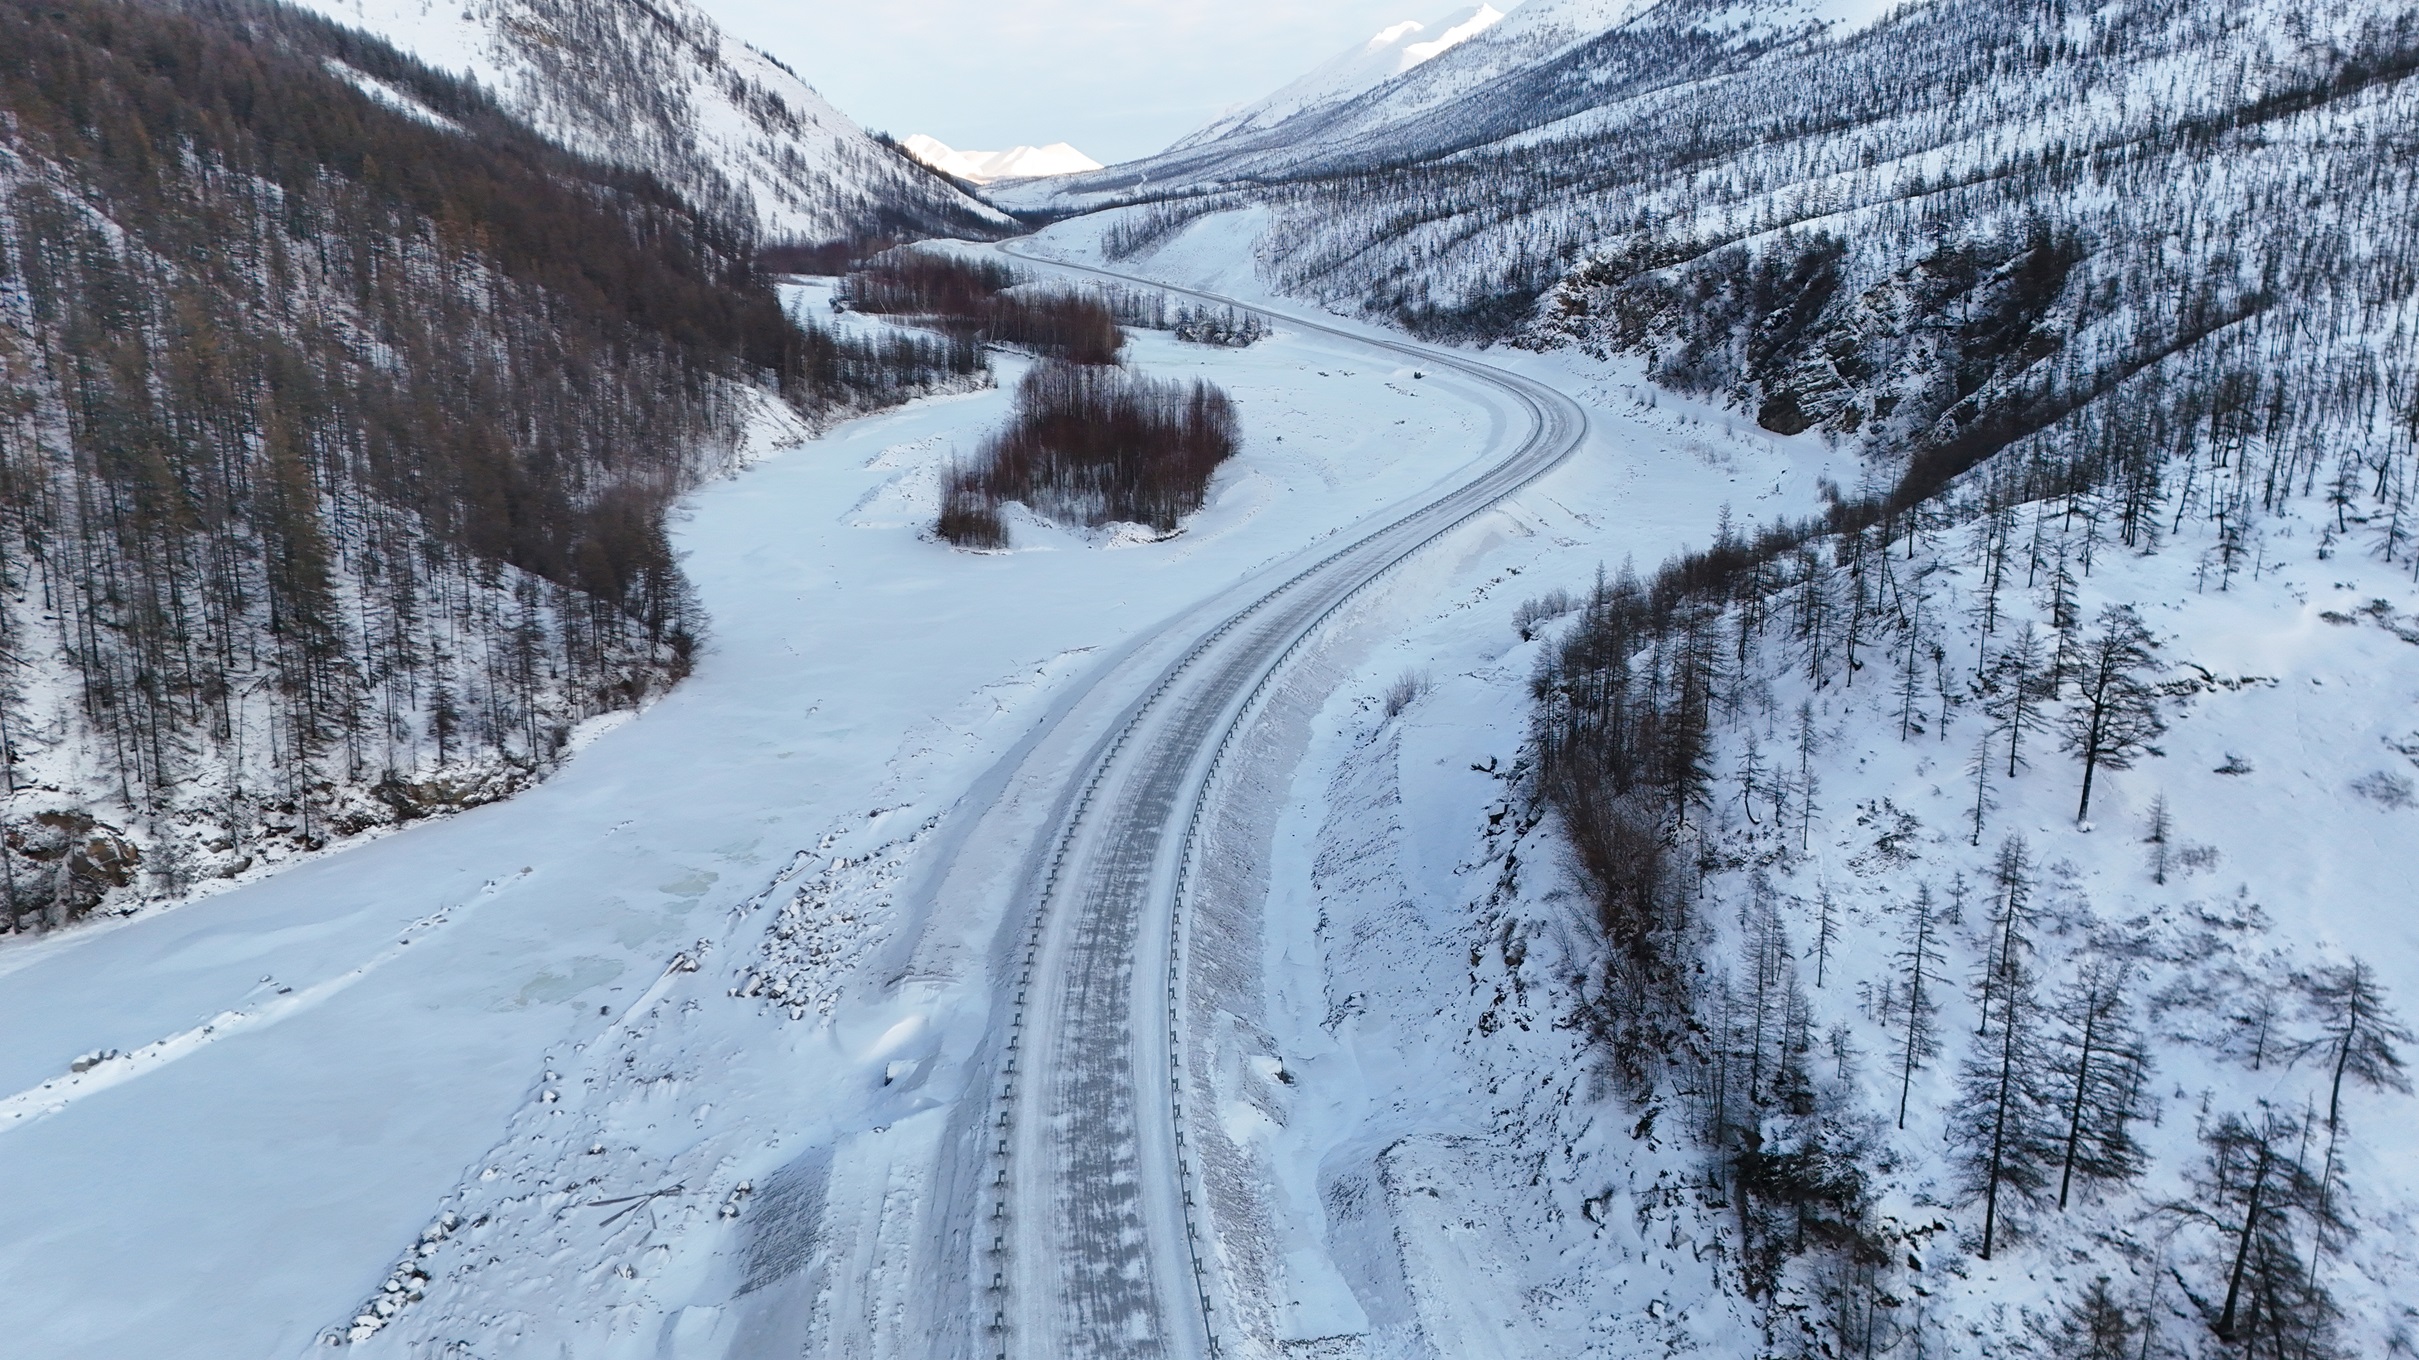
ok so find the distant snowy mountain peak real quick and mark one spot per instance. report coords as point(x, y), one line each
point(1017, 162)
point(1453, 32)
point(1499, 77)
point(1353, 73)
point(656, 85)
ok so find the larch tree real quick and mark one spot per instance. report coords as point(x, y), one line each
point(2115, 717)
point(2099, 1326)
point(2098, 1064)
point(2006, 1138)
point(2011, 911)
point(2017, 690)
point(2359, 1038)
point(2158, 832)
point(1919, 964)
point(2254, 1188)
point(1978, 768)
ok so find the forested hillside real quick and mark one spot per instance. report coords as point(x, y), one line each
point(1902, 827)
point(338, 418)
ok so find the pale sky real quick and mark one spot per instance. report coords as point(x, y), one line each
point(1118, 78)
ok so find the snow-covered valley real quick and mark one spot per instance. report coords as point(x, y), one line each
point(1955, 905)
point(304, 1073)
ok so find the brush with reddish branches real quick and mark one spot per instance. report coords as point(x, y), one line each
point(1093, 445)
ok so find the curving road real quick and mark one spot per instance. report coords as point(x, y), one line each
point(1066, 1227)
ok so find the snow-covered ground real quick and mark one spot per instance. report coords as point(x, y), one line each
point(1407, 1178)
point(1422, 943)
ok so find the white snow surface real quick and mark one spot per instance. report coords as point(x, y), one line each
point(1375, 116)
point(1354, 72)
point(1017, 162)
point(1445, 1174)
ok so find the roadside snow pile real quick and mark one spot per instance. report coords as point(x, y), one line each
point(828, 925)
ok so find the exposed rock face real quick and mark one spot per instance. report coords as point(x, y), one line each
point(61, 865)
point(1801, 332)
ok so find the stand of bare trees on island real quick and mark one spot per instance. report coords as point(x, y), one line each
point(1089, 443)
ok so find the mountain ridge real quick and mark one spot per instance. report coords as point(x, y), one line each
point(657, 85)
point(1351, 73)
point(983, 167)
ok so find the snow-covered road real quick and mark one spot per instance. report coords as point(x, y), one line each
point(1093, 1250)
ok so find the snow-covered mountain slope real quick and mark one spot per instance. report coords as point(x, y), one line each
point(2229, 884)
point(1017, 162)
point(1543, 61)
point(1946, 231)
point(1354, 72)
point(428, 472)
point(656, 85)
point(1446, 1098)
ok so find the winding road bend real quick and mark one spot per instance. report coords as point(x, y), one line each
point(1073, 1225)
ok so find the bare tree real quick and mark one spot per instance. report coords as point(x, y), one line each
point(2006, 1142)
point(1807, 781)
point(2358, 1033)
point(2116, 713)
point(2099, 1326)
point(1919, 961)
point(2011, 909)
point(1979, 768)
point(2158, 832)
point(2100, 1063)
point(2017, 689)
point(2255, 1190)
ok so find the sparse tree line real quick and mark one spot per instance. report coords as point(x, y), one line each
point(1958, 614)
point(334, 445)
point(2072, 282)
point(1153, 224)
point(2107, 340)
point(982, 300)
point(1220, 327)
